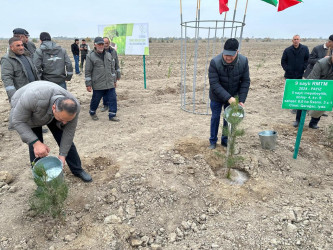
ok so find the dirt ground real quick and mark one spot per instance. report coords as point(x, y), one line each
point(156, 185)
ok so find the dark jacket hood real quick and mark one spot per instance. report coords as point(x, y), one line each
point(50, 47)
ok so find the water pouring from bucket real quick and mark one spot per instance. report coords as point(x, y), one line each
point(233, 114)
point(52, 167)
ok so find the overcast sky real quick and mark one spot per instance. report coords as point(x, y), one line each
point(81, 18)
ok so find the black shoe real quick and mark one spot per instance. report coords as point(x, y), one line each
point(313, 126)
point(224, 141)
point(212, 146)
point(295, 124)
point(83, 175)
point(324, 114)
point(45, 130)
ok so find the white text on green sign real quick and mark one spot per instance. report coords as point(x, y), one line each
point(308, 94)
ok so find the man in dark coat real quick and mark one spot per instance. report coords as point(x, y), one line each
point(323, 69)
point(52, 62)
point(294, 61)
point(319, 52)
point(76, 55)
point(228, 77)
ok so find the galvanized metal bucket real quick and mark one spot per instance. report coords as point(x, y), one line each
point(52, 166)
point(268, 139)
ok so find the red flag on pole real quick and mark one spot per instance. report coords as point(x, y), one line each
point(284, 4)
point(223, 6)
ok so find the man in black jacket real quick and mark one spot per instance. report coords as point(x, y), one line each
point(76, 55)
point(294, 61)
point(228, 77)
point(319, 52)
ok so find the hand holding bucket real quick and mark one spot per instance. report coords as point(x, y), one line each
point(40, 149)
point(52, 166)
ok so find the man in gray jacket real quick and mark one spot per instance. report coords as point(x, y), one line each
point(114, 55)
point(24, 36)
point(45, 103)
point(52, 62)
point(323, 69)
point(100, 77)
point(17, 69)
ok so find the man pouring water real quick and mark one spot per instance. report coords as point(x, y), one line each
point(228, 77)
point(45, 103)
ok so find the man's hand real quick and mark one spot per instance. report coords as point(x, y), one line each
point(40, 149)
point(115, 84)
point(242, 104)
point(62, 158)
point(89, 88)
point(231, 100)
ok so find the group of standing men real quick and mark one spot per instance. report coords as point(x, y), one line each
point(35, 82)
point(298, 63)
point(229, 77)
point(76, 49)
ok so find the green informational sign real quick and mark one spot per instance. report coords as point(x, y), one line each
point(308, 94)
point(129, 38)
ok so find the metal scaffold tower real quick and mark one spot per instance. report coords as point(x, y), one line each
point(201, 40)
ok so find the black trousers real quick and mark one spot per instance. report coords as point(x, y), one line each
point(83, 58)
point(73, 159)
point(313, 121)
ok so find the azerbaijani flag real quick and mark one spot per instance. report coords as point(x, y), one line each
point(272, 2)
point(284, 4)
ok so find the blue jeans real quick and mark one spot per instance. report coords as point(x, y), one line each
point(216, 108)
point(111, 97)
point(76, 60)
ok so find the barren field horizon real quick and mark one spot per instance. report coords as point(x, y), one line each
point(156, 185)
